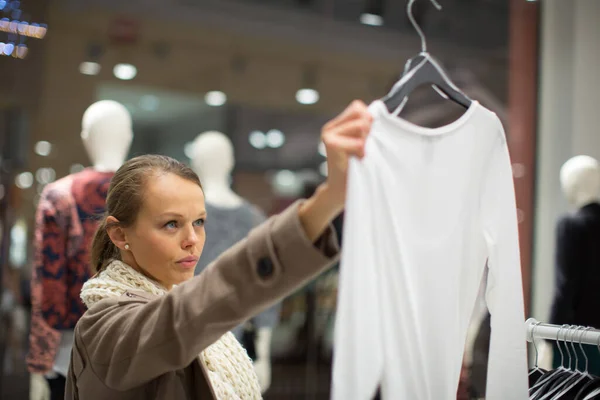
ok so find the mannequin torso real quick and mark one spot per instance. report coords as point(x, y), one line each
point(65, 225)
point(229, 219)
point(577, 259)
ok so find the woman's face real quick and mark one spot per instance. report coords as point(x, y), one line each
point(168, 236)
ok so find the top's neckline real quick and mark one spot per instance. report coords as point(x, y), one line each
point(380, 110)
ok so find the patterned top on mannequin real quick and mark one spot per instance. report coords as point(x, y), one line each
point(66, 221)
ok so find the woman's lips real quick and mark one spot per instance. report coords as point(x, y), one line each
point(188, 262)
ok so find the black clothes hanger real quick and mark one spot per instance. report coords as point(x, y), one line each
point(592, 386)
point(424, 69)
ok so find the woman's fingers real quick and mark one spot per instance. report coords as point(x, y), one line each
point(356, 110)
point(347, 145)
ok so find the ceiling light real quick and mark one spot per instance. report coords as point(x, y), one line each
point(257, 139)
point(75, 168)
point(8, 48)
point(215, 98)
point(24, 180)
point(45, 175)
point(149, 102)
point(371, 19)
point(89, 68)
point(322, 149)
point(125, 72)
point(307, 96)
point(323, 168)
point(285, 178)
point(43, 148)
point(275, 138)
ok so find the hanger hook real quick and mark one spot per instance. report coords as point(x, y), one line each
point(582, 349)
point(568, 328)
point(574, 332)
point(562, 356)
point(416, 26)
point(534, 344)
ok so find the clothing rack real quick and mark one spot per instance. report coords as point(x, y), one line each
point(568, 333)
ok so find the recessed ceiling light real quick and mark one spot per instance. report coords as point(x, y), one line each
point(275, 138)
point(257, 139)
point(371, 19)
point(45, 175)
point(24, 180)
point(215, 98)
point(89, 68)
point(285, 178)
point(75, 168)
point(125, 72)
point(307, 96)
point(43, 148)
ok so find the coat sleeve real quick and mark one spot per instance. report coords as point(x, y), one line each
point(567, 261)
point(504, 291)
point(131, 343)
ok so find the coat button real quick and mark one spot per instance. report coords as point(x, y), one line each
point(265, 267)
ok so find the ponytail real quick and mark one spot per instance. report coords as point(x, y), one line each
point(103, 249)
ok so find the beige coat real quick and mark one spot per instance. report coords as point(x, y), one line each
point(139, 346)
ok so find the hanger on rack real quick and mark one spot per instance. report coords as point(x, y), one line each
point(564, 383)
point(591, 389)
point(571, 390)
point(535, 390)
point(536, 372)
point(423, 69)
point(558, 380)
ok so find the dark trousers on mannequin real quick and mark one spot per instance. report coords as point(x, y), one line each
point(57, 387)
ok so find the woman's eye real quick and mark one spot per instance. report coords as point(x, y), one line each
point(199, 222)
point(171, 224)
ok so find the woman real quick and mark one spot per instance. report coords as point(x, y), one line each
point(151, 331)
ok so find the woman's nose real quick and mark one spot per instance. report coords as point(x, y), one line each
point(191, 238)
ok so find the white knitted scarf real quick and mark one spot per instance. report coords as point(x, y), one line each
point(229, 368)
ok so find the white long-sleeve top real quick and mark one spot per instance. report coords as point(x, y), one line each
point(426, 208)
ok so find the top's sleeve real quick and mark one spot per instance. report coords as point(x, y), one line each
point(358, 357)
point(132, 342)
point(567, 277)
point(507, 365)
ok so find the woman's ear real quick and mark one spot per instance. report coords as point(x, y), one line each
point(115, 232)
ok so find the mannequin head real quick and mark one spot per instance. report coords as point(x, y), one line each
point(212, 158)
point(106, 134)
point(580, 180)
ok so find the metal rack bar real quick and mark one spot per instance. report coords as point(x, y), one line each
point(556, 332)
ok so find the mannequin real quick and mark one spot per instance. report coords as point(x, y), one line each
point(65, 225)
point(229, 219)
point(577, 260)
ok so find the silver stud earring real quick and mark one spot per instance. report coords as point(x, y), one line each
point(126, 246)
